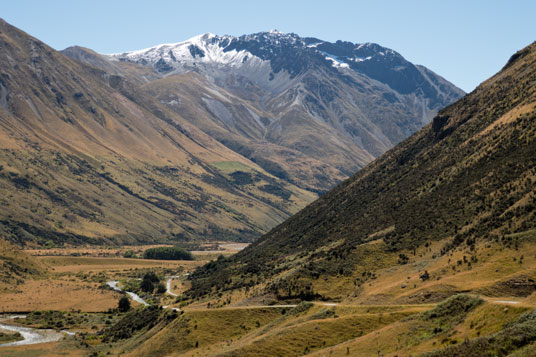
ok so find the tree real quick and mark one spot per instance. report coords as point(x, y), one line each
point(161, 288)
point(152, 277)
point(167, 253)
point(146, 286)
point(425, 276)
point(124, 304)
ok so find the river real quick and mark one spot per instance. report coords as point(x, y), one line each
point(31, 335)
point(133, 296)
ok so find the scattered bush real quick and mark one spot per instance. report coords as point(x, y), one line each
point(403, 259)
point(132, 322)
point(513, 337)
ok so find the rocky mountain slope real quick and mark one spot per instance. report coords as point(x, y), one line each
point(462, 182)
point(87, 157)
point(273, 97)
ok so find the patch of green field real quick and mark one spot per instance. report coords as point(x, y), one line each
point(228, 167)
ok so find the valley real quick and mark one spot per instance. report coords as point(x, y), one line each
point(485, 289)
point(266, 194)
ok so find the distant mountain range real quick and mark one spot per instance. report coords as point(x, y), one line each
point(212, 138)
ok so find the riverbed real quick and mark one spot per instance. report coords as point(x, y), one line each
point(31, 336)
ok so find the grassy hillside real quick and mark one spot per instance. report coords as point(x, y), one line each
point(464, 180)
point(15, 266)
point(456, 327)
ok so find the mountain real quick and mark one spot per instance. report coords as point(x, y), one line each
point(463, 185)
point(102, 149)
point(87, 157)
point(273, 97)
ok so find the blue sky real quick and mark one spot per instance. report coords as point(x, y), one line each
point(464, 41)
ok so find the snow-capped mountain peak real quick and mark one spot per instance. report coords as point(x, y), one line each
point(206, 48)
point(286, 52)
point(265, 57)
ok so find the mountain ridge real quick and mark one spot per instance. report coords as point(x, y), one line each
point(234, 50)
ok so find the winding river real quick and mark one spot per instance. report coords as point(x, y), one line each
point(34, 336)
point(113, 284)
point(133, 296)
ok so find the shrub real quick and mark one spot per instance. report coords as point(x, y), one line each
point(129, 254)
point(161, 288)
point(147, 286)
point(151, 276)
point(403, 259)
point(124, 304)
point(453, 308)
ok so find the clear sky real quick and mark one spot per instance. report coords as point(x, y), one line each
point(464, 41)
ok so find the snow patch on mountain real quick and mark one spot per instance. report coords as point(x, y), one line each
point(205, 48)
point(336, 61)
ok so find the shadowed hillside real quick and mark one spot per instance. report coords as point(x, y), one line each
point(466, 178)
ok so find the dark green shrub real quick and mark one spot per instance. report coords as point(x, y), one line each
point(129, 254)
point(146, 286)
point(124, 304)
point(161, 288)
point(167, 253)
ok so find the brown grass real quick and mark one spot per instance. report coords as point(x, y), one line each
point(54, 294)
point(87, 264)
point(51, 349)
point(117, 252)
point(413, 336)
point(494, 264)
